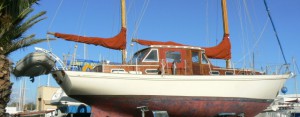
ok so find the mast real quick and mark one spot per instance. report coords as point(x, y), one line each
point(225, 27)
point(123, 16)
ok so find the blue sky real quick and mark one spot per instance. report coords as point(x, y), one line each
point(191, 22)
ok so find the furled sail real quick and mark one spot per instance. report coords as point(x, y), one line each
point(117, 42)
point(221, 51)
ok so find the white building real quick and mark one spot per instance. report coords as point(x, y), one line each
point(11, 110)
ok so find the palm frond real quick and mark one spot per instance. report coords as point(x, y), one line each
point(25, 42)
point(15, 21)
point(19, 27)
point(22, 28)
point(14, 7)
point(16, 12)
point(12, 27)
point(30, 22)
point(1, 7)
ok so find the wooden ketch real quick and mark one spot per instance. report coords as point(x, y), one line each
point(169, 76)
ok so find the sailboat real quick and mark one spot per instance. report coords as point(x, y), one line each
point(168, 76)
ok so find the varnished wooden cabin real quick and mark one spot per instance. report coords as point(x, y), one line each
point(170, 60)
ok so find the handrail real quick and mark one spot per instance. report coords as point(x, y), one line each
point(277, 69)
point(53, 56)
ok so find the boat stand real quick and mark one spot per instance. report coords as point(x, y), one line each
point(143, 110)
point(156, 113)
point(230, 115)
point(160, 114)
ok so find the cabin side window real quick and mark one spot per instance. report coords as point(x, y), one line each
point(214, 73)
point(151, 71)
point(152, 56)
point(195, 57)
point(138, 56)
point(118, 71)
point(228, 73)
point(173, 56)
point(204, 59)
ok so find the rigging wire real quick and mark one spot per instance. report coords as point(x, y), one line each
point(51, 23)
point(114, 16)
point(217, 22)
point(239, 9)
point(132, 6)
point(113, 55)
point(144, 8)
point(207, 29)
point(82, 17)
point(216, 41)
point(256, 42)
point(56, 12)
point(276, 34)
point(248, 18)
point(298, 70)
point(257, 38)
point(137, 23)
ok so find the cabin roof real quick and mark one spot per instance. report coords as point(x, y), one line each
point(179, 47)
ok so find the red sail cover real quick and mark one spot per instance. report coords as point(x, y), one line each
point(221, 51)
point(117, 42)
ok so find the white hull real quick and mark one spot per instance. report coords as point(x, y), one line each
point(239, 86)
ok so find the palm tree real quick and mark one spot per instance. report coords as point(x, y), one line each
point(14, 22)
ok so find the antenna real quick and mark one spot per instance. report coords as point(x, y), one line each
point(84, 51)
point(74, 56)
point(48, 82)
point(296, 82)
